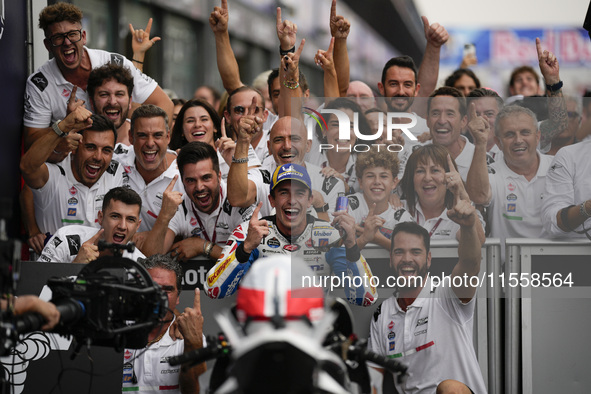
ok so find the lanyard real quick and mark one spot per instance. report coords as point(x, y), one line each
point(434, 227)
point(215, 226)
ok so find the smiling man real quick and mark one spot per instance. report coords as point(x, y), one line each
point(206, 218)
point(512, 187)
point(51, 90)
point(109, 88)
point(119, 220)
point(293, 232)
point(150, 166)
point(426, 327)
point(72, 191)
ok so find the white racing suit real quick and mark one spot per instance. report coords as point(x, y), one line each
point(317, 246)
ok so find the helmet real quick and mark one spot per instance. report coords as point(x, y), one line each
point(275, 288)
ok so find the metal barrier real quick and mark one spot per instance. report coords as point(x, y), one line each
point(546, 322)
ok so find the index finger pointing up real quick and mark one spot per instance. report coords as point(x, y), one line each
point(197, 300)
point(450, 163)
point(96, 236)
point(253, 106)
point(539, 48)
point(172, 183)
point(223, 127)
point(472, 112)
point(224, 4)
point(333, 9)
point(149, 26)
point(279, 22)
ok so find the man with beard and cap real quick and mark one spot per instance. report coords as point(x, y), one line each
point(51, 93)
point(109, 89)
point(118, 219)
point(72, 191)
point(206, 218)
point(423, 324)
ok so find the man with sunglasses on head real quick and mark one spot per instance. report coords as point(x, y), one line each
point(54, 89)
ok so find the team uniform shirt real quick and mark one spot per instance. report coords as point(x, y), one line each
point(441, 227)
point(253, 161)
point(262, 150)
point(314, 246)
point(151, 193)
point(516, 204)
point(329, 187)
point(568, 183)
point(463, 160)
point(65, 244)
point(151, 369)
point(433, 338)
point(392, 216)
point(215, 227)
point(349, 175)
point(64, 201)
point(494, 154)
point(47, 91)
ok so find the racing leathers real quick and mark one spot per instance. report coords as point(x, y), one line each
point(317, 246)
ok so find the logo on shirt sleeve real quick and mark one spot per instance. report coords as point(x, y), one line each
point(353, 202)
point(328, 184)
point(40, 81)
point(73, 244)
point(117, 59)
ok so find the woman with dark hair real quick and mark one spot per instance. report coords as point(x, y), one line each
point(196, 121)
point(338, 155)
point(464, 80)
point(429, 187)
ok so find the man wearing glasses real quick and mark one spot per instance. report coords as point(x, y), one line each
point(60, 84)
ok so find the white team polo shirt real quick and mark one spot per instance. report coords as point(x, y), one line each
point(433, 338)
point(359, 210)
point(515, 209)
point(151, 193)
point(64, 201)
point(47, 91)
point(441, 227)
point(463, 161)
point(214, 227)
point(65, 244)
point(151, 368)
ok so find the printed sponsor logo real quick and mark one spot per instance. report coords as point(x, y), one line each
point(73, 244)
point(391, 335)
point(73, 201)
point(309, 243)
point(71, 211)
point(391, 325)
point(216, 274)
point(511, 197)
point(322, 233)
point(273, 243)
point(66, 93)
point(511, 187)
point(511, 207)
point(193, 221)
point(422, 321)
point(73, 190)
point(127, 169)
point(56, 242)
point(213, 292)
point(323, 242)
point(313, 252)
point(392, 345)
point(127, 355)
point(291, 248)
point(420, 332)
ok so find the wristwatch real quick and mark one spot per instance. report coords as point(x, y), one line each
point(323, 208)
point(57, 130)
